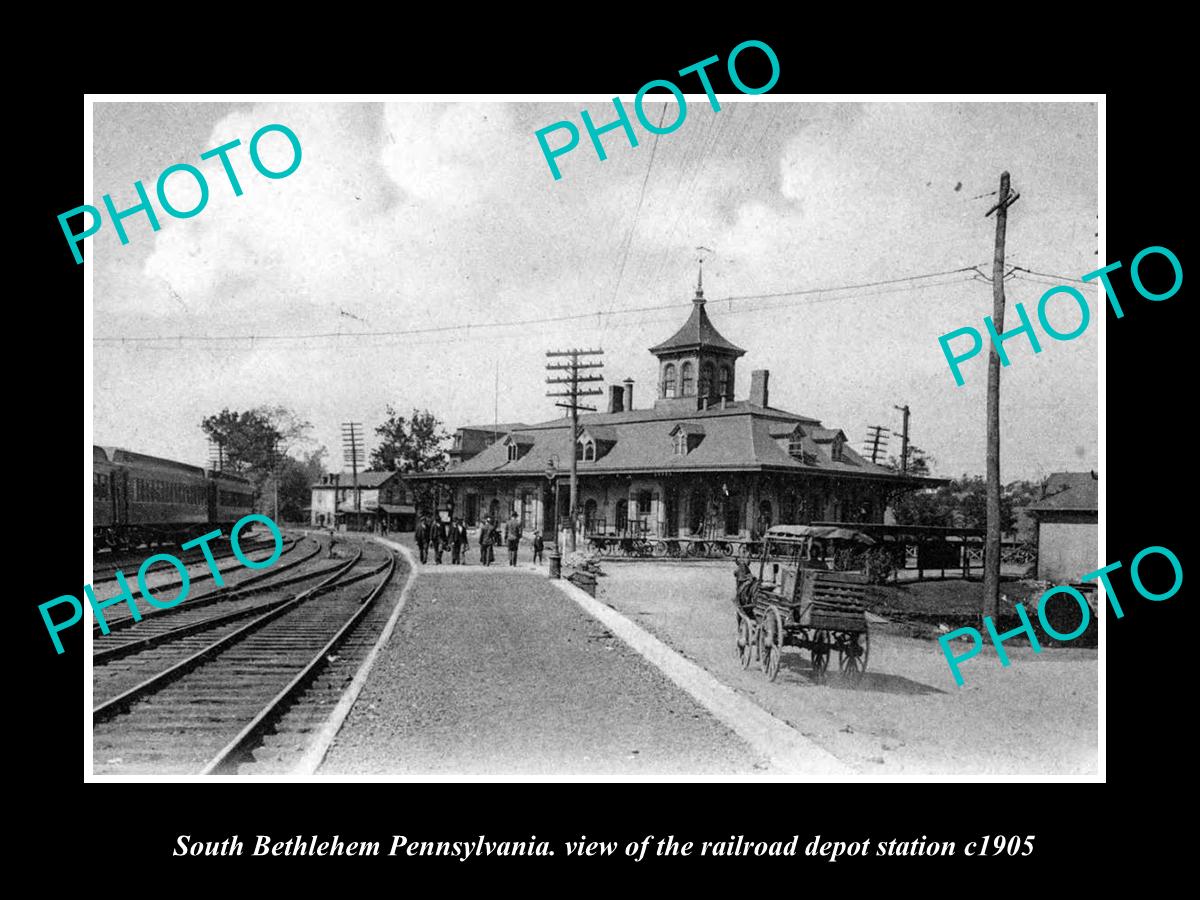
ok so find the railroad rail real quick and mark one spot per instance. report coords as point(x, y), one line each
point(217, 708)
point(188, 557)
point(119, 617)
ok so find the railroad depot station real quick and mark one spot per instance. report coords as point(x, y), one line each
point(696, 462)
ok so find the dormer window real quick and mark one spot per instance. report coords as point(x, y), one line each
point(836, 451)
point(686, 437)
point(796, 445)
point(517, 446)
point(585, 449)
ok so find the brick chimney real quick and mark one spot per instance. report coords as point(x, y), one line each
point(616, 398)
point(758, 387)
point(629, 393)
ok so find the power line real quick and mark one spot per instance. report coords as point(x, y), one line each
point(1059, 278)
point(515, 323)
point(637, 210)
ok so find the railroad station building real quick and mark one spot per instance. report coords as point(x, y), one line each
point(696, 461)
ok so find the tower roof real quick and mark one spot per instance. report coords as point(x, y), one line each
point(697, 333)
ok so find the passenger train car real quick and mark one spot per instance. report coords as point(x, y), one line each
point(139, 499)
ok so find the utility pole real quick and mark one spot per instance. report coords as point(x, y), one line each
point(991, 549)
point(904, 441)
point(876, 440)
point(352, 454)
point(216, 454)
point(573, 392)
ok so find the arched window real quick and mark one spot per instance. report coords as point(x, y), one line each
point(707, 385)
point(726, 386)
point(669, 380)
point(686, 380)
point(622, 515)
point(589, 514)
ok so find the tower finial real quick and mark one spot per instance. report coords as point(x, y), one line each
point(700, 278)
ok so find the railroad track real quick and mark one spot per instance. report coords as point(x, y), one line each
point(249, 696)
point(108, 572)
point(119, 618)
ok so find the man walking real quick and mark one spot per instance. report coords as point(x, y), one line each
point(538, 543)
point(422, 536)
point(458, 542)
point(512, 536)
point(441, 538)
point(485, 542)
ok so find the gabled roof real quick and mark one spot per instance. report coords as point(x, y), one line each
point(1080, 495)
point(599, 432)
point(825, 435)
point(518, 438)
point(697, 332)
point(366, 480)
point(688, 428)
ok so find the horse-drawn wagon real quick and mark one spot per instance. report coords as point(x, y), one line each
point(797, 601)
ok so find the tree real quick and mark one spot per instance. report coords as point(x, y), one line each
point(962, 504)
point(296, 478)
point(248, 441)
point(256, 443)
point(410, 445)
point(919, 462)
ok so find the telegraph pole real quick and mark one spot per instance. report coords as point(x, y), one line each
point(573, 392)
point(876, 438)
point(904, 441)
point(352, 454)
point(991, 549)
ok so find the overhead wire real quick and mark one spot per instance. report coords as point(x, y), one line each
point(482, 328)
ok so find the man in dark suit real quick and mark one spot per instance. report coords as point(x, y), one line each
point(512, 537)
point(487, 533)
point(458, 542)
point(422, 535)
point(441, 540)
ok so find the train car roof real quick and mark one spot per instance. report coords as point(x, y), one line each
point(119, 455)
point(228, 476)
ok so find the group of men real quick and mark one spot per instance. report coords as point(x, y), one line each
point(453, 534)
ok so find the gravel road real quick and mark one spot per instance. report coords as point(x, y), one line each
point(1038, 716)
point(495, 673)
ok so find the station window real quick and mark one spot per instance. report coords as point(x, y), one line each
point(644, 499)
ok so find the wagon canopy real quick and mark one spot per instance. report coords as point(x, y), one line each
point(825, 532)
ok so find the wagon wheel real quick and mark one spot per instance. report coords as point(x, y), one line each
point(659, 548)
point(820, 656)
point(853, 651)
point(770, 643)
point(745, 644)
point(727, 548)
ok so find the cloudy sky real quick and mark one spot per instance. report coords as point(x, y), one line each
point(407, 217)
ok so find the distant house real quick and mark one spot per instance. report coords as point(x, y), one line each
point(1067, 520)
point(381, 498)
point(471, 440)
